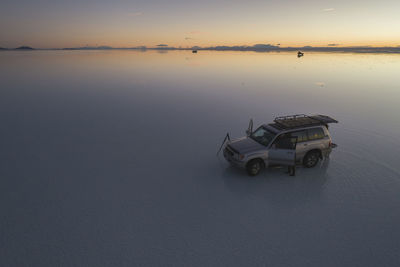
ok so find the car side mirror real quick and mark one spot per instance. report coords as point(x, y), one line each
point(249, 130)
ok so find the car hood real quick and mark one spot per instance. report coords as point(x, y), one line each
point(245, 145)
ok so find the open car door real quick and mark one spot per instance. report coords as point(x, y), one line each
point(283, 151)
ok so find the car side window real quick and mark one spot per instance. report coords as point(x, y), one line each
point(301, 136)
point(315, 133)
point(285, 141)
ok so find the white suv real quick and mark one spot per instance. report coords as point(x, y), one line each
point(287, 141)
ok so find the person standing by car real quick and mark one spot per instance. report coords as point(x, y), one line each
point(287, 142)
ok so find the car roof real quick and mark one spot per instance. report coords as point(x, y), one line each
point(298, 121)
point(278, 130)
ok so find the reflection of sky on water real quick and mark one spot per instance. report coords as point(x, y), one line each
point(109, 158)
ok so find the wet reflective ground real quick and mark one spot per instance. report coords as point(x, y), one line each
point(107, 158)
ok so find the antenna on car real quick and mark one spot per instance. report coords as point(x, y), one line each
point(227, 138)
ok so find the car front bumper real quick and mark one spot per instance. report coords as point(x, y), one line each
point(232, 160)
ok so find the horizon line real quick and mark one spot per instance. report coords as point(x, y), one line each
point(256, 47)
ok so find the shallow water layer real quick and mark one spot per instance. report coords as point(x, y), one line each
point(107, 158)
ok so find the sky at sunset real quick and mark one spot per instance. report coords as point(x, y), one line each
point(122, 23)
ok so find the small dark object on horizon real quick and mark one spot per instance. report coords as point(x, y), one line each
point(300, 54)
point(194, 51)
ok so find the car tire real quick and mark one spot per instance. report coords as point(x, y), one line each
point(311, 159)
point(254, 167)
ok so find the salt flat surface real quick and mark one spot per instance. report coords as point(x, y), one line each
point(108, 159)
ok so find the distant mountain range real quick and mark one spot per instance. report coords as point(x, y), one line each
point(89, 48)
point(24, 48)
point(256, 48)
point(18, 48)
point(265, 48)
point(259, 48)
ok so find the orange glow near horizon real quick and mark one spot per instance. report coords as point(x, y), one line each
point(204, 24)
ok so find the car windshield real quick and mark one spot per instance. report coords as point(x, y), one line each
point(262, 136)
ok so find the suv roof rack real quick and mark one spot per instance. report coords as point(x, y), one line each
point(301, 120)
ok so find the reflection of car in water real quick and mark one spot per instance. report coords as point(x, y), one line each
point(288, 140)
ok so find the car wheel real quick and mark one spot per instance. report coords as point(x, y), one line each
point(254, 167)
point(311, 159)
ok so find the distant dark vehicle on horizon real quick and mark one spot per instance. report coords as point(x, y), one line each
point(300, 54)
point(194, 51)
point(289, 140)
